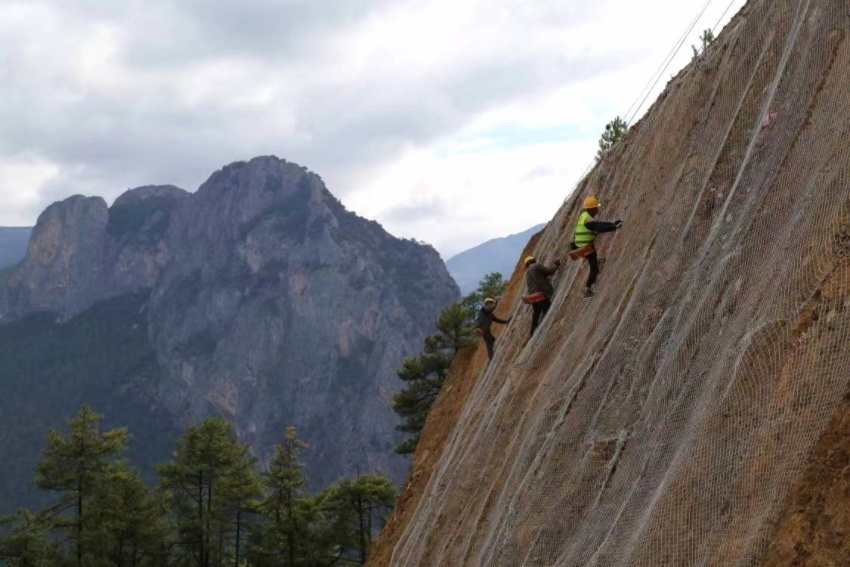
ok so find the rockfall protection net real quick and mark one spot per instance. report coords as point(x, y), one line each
point(663, 421)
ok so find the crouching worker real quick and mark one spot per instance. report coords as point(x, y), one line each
point(582, 246)
point(486, 317)
point(539, 290)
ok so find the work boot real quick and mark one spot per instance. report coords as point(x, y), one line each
point(588, 292)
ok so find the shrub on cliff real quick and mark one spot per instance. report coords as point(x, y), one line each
point(614, 130)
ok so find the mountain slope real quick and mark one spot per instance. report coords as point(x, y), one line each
point(13, 244)
point(675, 418)
point(496, 255)
point(262, 300)
point(48, 369)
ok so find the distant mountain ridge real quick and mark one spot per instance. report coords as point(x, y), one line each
point(496, 255)
point(259, 298)
point(13, 244)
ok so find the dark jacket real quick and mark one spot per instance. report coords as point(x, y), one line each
point(487, 318)
point(537, 279)
point(600, 226)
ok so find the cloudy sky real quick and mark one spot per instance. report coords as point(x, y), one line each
point(450, 121)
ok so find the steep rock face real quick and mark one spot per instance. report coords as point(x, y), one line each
point(81, 252)
point(278, 306)
point(61, 267)
point(138, 222)
point(674, 418)
point(265, 302)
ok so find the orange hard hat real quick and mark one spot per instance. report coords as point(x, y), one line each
point(591, 203)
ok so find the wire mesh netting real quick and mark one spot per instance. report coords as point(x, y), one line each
point(663, 421)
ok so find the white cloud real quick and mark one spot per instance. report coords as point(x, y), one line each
point(417, 114)
point(20, 182)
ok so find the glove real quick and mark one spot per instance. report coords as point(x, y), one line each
point(557, 263)
point(618, 223)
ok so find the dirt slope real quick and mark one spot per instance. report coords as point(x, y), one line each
point(690, 413)
point(815, 525)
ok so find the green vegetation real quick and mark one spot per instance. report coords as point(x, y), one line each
point(49, 368)
point(423, 375)
point(213, 505)
point(491, 285)
point(705, 40)
point(614, 130)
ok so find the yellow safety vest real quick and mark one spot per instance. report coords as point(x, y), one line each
point(583, 235)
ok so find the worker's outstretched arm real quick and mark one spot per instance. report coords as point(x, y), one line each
point(503, 322)
point(602, 226)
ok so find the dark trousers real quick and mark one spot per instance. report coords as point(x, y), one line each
point(540, 308)
point(593, 262)
point(489, 340)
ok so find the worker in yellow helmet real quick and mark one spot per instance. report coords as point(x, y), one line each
point(587, 228)
point(539, 290)
point(486, 317)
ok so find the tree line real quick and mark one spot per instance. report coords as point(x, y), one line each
point(213, 505)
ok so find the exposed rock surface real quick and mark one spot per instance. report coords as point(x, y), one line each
point(270, 304)
point(81, 252)
point(691, 413)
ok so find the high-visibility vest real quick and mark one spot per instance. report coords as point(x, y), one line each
point(583, 235)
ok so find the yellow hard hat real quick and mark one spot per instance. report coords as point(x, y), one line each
point(529, 260)
point(489, 300)
point(591, 203)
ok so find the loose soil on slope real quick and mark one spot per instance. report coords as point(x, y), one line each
point(814, 530)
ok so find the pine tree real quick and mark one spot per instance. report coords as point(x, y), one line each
point(705, 40)
point(423, 376)
point(74, 466)
point(492, 285)
point(26, 543)
point(127, 519)
point(614, 130)
point(209, 482)
point(283, 537)
point(366, 500)
point(455, 330)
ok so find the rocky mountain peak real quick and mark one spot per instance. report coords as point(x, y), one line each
point(262, 298)
point(63, 253)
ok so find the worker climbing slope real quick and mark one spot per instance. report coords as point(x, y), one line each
point(582, 245)
point(539, 289)
point(486, 317)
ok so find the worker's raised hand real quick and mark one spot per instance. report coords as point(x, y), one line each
point(618, 223)
point(557, 262)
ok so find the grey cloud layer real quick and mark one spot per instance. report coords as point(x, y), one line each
point(141, 125)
